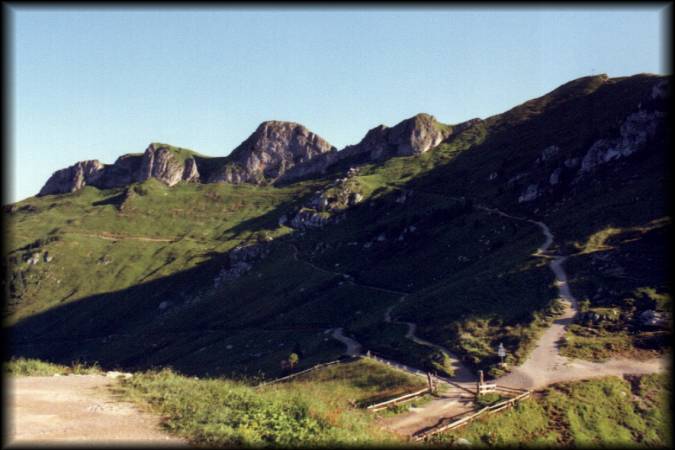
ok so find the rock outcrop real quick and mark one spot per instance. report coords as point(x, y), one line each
point(159, 161)
point(412, 136)
point(269, 152)
point(73, 178)
point(241, 260)
point(276, 151)
point(634, 133)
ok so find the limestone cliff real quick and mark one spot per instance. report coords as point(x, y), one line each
point(412, 136)
point(163, 162)
point(269, 152)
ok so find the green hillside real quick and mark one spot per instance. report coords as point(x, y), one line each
point(605, 412)
point(136, 276)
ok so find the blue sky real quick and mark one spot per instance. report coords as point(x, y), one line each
point(94, 84)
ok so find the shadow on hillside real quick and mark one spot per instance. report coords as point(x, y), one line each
point(267, 221)
point(125, 328)
point(82, 329)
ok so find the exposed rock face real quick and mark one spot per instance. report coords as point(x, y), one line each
point(158, 161)
point(412, 136)
point(270, 151)
point(276, 151)
point(123, 172)
point(531, 193)
point(190, 172)
point(635, 131)
point(73, 178)
point(241, 261)
point(307, 218)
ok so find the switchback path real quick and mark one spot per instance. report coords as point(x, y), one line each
point(456, 397)
point(353, 347)
point(545, 365)
point(77, 409)
point(462, 373)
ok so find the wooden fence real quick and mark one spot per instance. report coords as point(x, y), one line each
point(414, 371)
point(398, 400)
point(318, 366)
point(485, 388)
point(466, 418)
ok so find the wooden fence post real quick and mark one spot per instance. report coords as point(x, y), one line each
point(480, 383)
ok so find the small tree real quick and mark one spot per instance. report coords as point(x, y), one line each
point(293, 359)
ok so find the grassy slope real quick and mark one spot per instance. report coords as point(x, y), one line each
point(196, 220)
point(321, 407)
point(315, 409)
point(471, 279)
point(603, 412)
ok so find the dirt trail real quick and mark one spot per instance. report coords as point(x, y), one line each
point(462, 374)
point(77, 409)
point(353, 347)
point(124, 237)
point(120, 237)
point(545, 365)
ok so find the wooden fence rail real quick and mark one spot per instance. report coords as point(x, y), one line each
point(397, 400)
point(374, 356)
point(318, 366)
point(510, 390)
point(423, 434)
point(485, 388)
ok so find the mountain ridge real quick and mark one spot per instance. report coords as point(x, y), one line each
point(281, 152)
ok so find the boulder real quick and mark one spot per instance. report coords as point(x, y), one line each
point(34, 259)
point(530, 193)
point(555, 177)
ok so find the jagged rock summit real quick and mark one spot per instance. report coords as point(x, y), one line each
point(412, 136)
point(275, 151)
point(272, 149)
point(166, 163)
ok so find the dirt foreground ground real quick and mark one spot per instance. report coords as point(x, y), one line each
point(77, 409)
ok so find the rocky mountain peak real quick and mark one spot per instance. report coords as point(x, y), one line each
point(272, 149)
point(412, 136)
point(73, 178)
point(164, 162)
